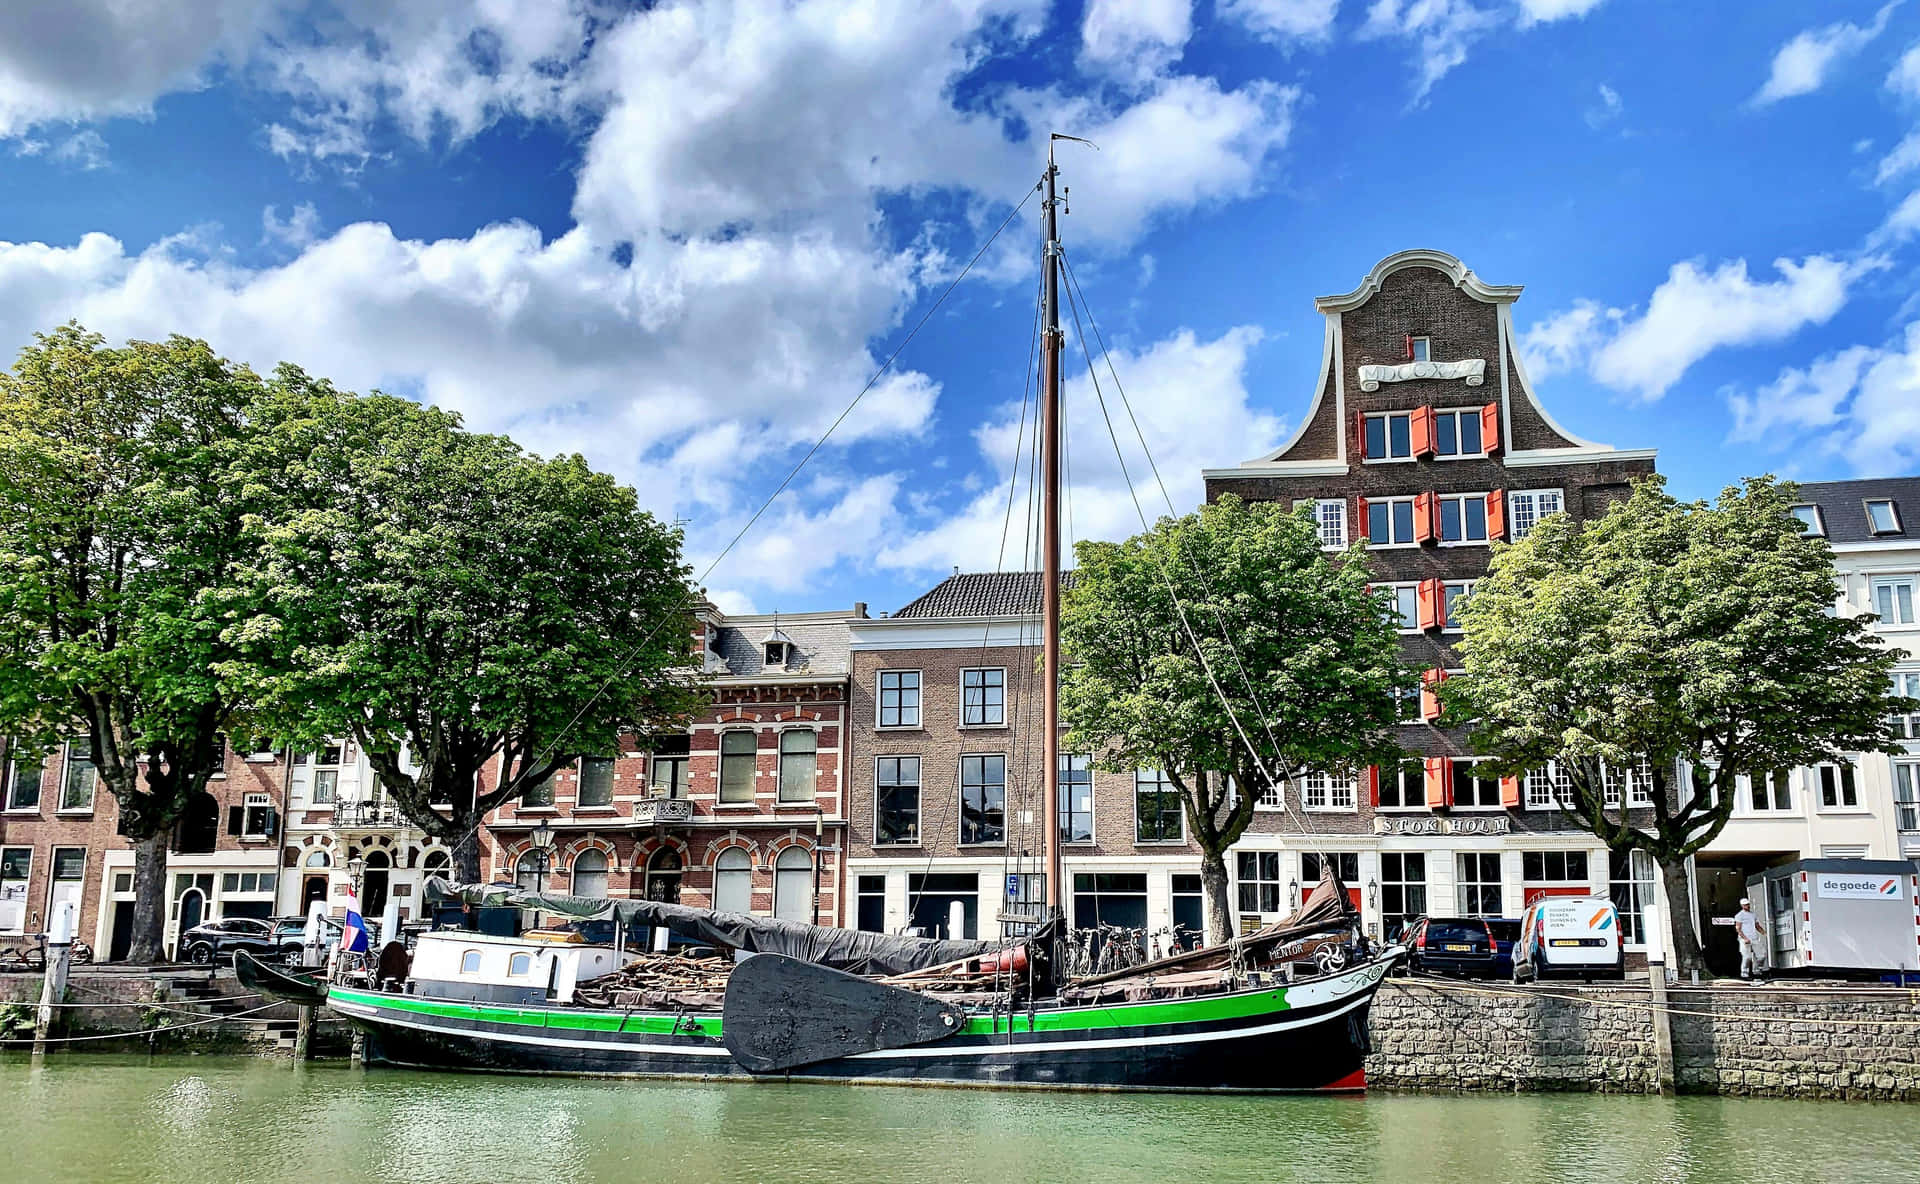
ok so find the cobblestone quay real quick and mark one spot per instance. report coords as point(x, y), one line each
point(1768, 1041)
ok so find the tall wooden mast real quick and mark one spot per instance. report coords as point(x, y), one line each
point(1050, 541)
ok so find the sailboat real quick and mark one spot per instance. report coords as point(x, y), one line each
point(1280, 1009)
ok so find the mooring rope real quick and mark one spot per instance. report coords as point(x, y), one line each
point(1443, 985)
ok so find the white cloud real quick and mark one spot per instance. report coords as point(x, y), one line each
point(1695, 312)
point(1535, 12)
point(1901, 160)
point(1606, 110)
point(297, 229)
point(71, 60)
point(1191, 399)
point(1691, 314)
point(85, 149)
point(1284, 21)
point(1899, 225)
point(1441, 32)
point(1135, 40)
point(1862, 403)
point(1904, 78)
point(1803, 64)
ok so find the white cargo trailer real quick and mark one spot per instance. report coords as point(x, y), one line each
point(1840, 916)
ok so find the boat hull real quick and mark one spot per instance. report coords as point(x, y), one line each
point(1305, 1037)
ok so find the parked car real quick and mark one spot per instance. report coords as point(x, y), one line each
point(1452, 945)
point(1506, 931)
point(1572, 937)
point(290, 933)
point(216, 940)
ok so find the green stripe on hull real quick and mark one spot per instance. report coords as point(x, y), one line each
point(1132, 1015)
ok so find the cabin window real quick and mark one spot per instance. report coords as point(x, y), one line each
point(470, 962)
point(518, 965)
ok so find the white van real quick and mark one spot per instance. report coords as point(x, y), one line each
point(1572, 937)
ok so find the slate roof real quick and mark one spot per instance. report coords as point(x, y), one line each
point(817, 649)
point(982, 594)
point(1843, 507)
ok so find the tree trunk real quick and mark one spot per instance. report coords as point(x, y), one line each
point(149, 900)
point(1213, 885)
point(466, 855)
point(1686, 954)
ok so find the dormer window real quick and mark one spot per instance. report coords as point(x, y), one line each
point(1810, 520)
point(1419, 349)
point(776, 653)
point(1882, 516)
point(776, 647)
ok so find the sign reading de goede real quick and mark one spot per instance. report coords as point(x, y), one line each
point(1849, 886)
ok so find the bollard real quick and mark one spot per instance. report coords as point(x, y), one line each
point(53, 988)
point(1657, 995)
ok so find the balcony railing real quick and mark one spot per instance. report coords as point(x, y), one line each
point(367, 815)
point(663, 811)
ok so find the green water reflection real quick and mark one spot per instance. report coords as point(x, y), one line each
point(87, 1118)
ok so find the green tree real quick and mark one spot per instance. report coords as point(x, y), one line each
point(123, 484)
point(1698, 637)
point(458, 605)
point(1294, 669)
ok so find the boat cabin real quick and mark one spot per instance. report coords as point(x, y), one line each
point(458, 964)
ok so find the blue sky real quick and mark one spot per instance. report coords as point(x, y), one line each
point(679, 237)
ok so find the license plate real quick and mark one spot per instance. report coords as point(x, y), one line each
point(1461, 949)
point(1577, 941)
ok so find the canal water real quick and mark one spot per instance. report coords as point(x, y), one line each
point(85, 1118)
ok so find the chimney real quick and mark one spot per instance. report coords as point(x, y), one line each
point(860, 609)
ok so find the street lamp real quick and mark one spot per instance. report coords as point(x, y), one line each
point(542, 840)
point(1293, 895)
point(1373, 894)
point(356, 871)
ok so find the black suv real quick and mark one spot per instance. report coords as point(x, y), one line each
point(1452, 945)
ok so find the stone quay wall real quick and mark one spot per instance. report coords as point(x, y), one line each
point(1768, 1041)
point(170, 1012)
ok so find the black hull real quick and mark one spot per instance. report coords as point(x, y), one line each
point(1305, 1044)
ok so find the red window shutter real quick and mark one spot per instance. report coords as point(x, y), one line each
point(1490, 429)
point(1510, 792)
point(1373, 786)
point(1359, 518)
point(1422, 430)
point(1431, 600)
point(1360, 434)
point(1430, 682)
point(1439, 782)
point(1426, 518)
point(1497, 514)
point(1409, 347)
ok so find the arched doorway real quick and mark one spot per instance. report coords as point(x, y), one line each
point(193, 908)
point(793, 885)
point(590, 873)
point(663, 876)
point(314, 886)
point(374, 883)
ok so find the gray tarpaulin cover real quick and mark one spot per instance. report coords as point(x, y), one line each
point(851, 950)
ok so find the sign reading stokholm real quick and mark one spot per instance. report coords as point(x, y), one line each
point(1839, 886)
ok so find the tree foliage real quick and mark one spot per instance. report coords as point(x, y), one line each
point(452, 601)
point(1698, 636)
point(1294, 668)
point(124, 480)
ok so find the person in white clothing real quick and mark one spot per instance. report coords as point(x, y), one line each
point(1753, 956)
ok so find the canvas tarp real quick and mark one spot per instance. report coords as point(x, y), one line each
point(852, 950)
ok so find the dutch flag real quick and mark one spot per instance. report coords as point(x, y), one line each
point(353, 934)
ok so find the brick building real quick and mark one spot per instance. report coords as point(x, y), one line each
point(59, 841)
point(1424, 436)
point(743, 813)
point(945, 790)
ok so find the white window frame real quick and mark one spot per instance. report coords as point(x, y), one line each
point(1421, 349)
point(1329, 520)
point(1411, 801)
point(1386, 435)
point(1906, 684)
point(1328, 793)
point(880, 692)
point(1638, 778)
point(1409, 622)
point(1771, 807)
point(1413, 520)
point(1814, 523)
point(1890, 582)
point(1547, 789)
point(1838, 775)
point(248, 804)
point(1583, 881)
point(1473, 764)
point(1480, 885)
point(1440, 517)
point(1406, 709)
point(1093, 798)
point(1531, 499)
point(1893, 512)
point(1640, 888)
point(1388, 884)
point(919, 794)
point(984, 722)
point(10, 770)
point(1906, 796)
point(1271, 796)
point(1456, 413)
point(752, 755)
point(811, 771)
point(1162, 784)
point(66, 775)
point(1256, 881)
point(1447, 623)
